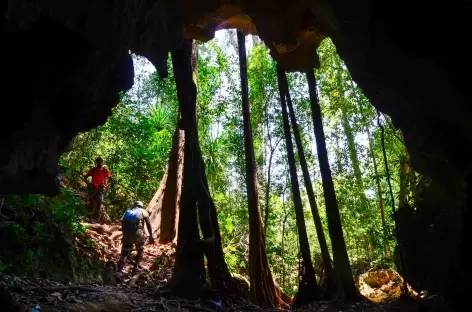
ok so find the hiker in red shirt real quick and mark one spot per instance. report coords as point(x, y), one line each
point(99, 175)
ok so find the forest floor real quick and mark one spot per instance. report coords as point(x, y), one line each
point(140, 293)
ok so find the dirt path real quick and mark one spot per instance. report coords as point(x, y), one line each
point(157, 262)
point(141, 292)
point(18, 294)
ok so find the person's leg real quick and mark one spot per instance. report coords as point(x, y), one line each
point(126, 248)
point(140, 248)
point(98, 203)
point(90, 201)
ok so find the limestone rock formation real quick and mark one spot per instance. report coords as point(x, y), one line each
point(65, 62)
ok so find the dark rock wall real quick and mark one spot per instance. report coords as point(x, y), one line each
point(411, 59)
point(64, 63)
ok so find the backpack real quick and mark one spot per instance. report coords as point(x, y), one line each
point(130, 220)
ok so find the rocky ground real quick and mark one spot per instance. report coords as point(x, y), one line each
point(157, 262)
point(381, 288)
point(380, 285)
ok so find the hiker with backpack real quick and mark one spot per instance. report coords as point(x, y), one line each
point(132, 225)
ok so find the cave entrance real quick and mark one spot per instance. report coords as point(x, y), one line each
point(66, 66)
point(137, 140)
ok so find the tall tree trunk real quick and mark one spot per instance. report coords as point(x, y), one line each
point(171, 197)
point(267, 192)
point(353, 155)
point(377, 181)
point(308, 289)
point(154, 207)
point(272, 148)
point(283, 242)
point(376, 169)
point(346, 287)
point(329, 283)
point(354, 158)
point(269, 166)
point(189, 271)
point(204, 201)
point(374, 162)
point(180, 175)
point(338, 150)
point(219, 272)
point(262, 288)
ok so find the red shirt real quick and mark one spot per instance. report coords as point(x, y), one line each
point(98, 176)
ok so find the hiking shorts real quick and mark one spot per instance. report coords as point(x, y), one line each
point(97, 193)
point(130, 239)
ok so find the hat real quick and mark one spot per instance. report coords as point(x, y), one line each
point(138, 203)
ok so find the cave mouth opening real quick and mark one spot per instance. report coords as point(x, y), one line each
point(51, 97)
point(136, 140)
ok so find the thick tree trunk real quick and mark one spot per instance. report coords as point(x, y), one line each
point(329, 283)
point(346, 287)
point(307, 290)
point(171, 197)
point(204, 198)
point(180, 175)
point(202, 194)
point(189, 271)
point(262, 287)
point(219, 272)
point(154, 207)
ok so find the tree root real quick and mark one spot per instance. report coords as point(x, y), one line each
point(182, 287)
point(285, 300)
point(341, 295)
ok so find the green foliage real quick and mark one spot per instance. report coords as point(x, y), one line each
point(136, 140)
point(40, 230)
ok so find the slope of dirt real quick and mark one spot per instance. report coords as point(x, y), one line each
point(141, 292)
point(18, 295)
point(157, 262)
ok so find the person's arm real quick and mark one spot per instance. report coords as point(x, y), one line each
point(108, 177)
point(86, 175)
point(148, 225)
